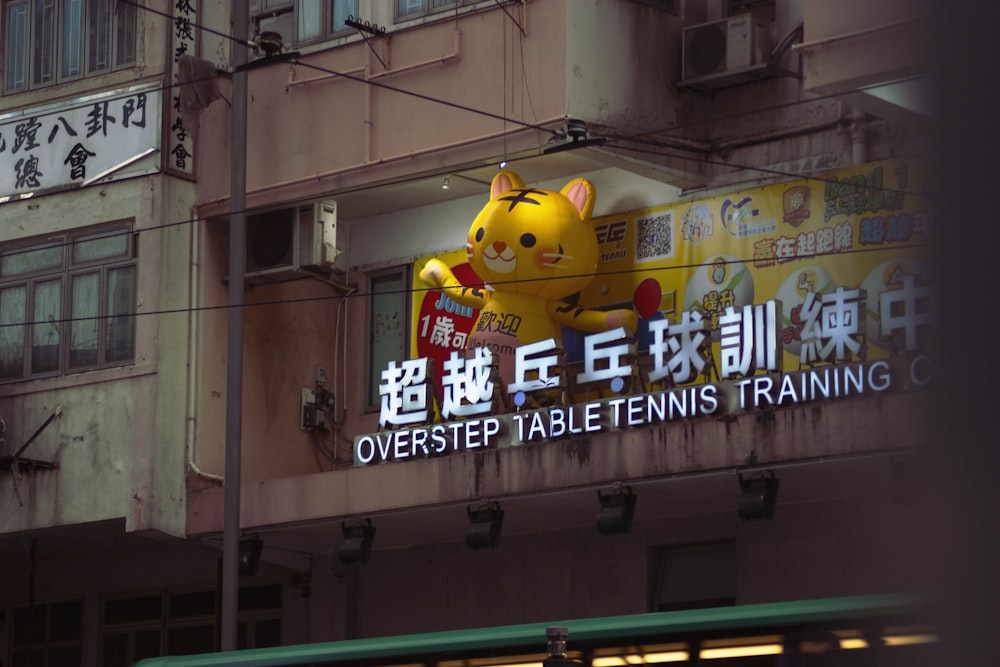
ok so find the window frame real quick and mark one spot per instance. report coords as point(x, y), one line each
point(374, 375)
point(42, 641)
point(429, 8)
point(167, 621)
point(262, 10)
point(70, 269)
point(28, 55)
point(713, 584)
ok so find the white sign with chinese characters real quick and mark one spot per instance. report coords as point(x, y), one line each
point(749, 343)
point(78, 141)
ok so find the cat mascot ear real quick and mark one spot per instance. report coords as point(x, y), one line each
point(580, 193)
point(504, 182)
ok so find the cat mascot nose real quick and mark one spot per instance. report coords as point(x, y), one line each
point(555, 252)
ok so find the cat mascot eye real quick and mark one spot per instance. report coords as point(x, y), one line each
point(535, 250)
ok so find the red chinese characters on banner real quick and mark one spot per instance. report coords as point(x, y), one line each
point(443, 325)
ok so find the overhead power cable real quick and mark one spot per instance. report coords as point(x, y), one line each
point(503, 117)
point(746, 167)
point(414, 290)
point(637, 138)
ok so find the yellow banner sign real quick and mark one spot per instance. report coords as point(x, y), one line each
point(862, 228)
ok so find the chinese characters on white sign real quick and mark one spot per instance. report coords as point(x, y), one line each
point(749, 343)
point(66, 144)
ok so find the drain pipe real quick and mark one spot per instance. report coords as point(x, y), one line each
point(194, 352)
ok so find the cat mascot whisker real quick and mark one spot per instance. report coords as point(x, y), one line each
point(517, 244)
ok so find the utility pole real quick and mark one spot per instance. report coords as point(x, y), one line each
point(240, 19)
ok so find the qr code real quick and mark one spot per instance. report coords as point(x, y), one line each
point(654, 237)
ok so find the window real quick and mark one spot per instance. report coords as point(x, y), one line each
point(48, 41)
point(409, 9)
point(387, 326)
point(53, 632)
point(669, 6)
point(302, 21)
point(184, 623)
point(762, 10)
point(696, 576)
point(68, 304)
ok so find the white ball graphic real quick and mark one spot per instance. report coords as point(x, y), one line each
point(792, 294)
point(886, 277)
point(721, 281)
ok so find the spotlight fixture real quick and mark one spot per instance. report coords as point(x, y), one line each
point(357, 544)
point(446, 185)
point(758, 494)
point(250, 550)
point(503, 163)
point(485, 523)
point(617, 509)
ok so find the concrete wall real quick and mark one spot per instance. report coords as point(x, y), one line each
point(332, 127)
point(119, 443)
point(105, 412)
point(863, 43)
point(828, 549)
point(98, 560)
point(822, 549)
point(292, 328)
point(622, 60)
point(844, 428)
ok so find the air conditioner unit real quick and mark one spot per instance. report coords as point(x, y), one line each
point(283, 243)
point(725, 47)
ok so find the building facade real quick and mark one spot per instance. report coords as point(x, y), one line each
point(374, 131)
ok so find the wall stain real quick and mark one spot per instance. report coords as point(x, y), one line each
point(580, 450)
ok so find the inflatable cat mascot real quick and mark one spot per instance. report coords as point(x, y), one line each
point(533, 248)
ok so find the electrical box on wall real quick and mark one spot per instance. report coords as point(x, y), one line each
point(331, 251)
point(317, 409)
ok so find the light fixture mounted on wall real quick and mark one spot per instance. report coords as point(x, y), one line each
point(485, 523)
point(357, 544)
point(250, 551)
point(617, 510)
point(758, 495)
point(446, 185)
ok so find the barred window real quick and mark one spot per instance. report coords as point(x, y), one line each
point(68, 304)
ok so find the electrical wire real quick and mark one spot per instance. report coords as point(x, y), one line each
point(8, 118)
point(415, 290)
point(427, 98)
point(763, 170)
point(701, 121)
point(203, 28)
point(639, 137)
point(377, 84)
point(768, 109)
point(636, 138)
